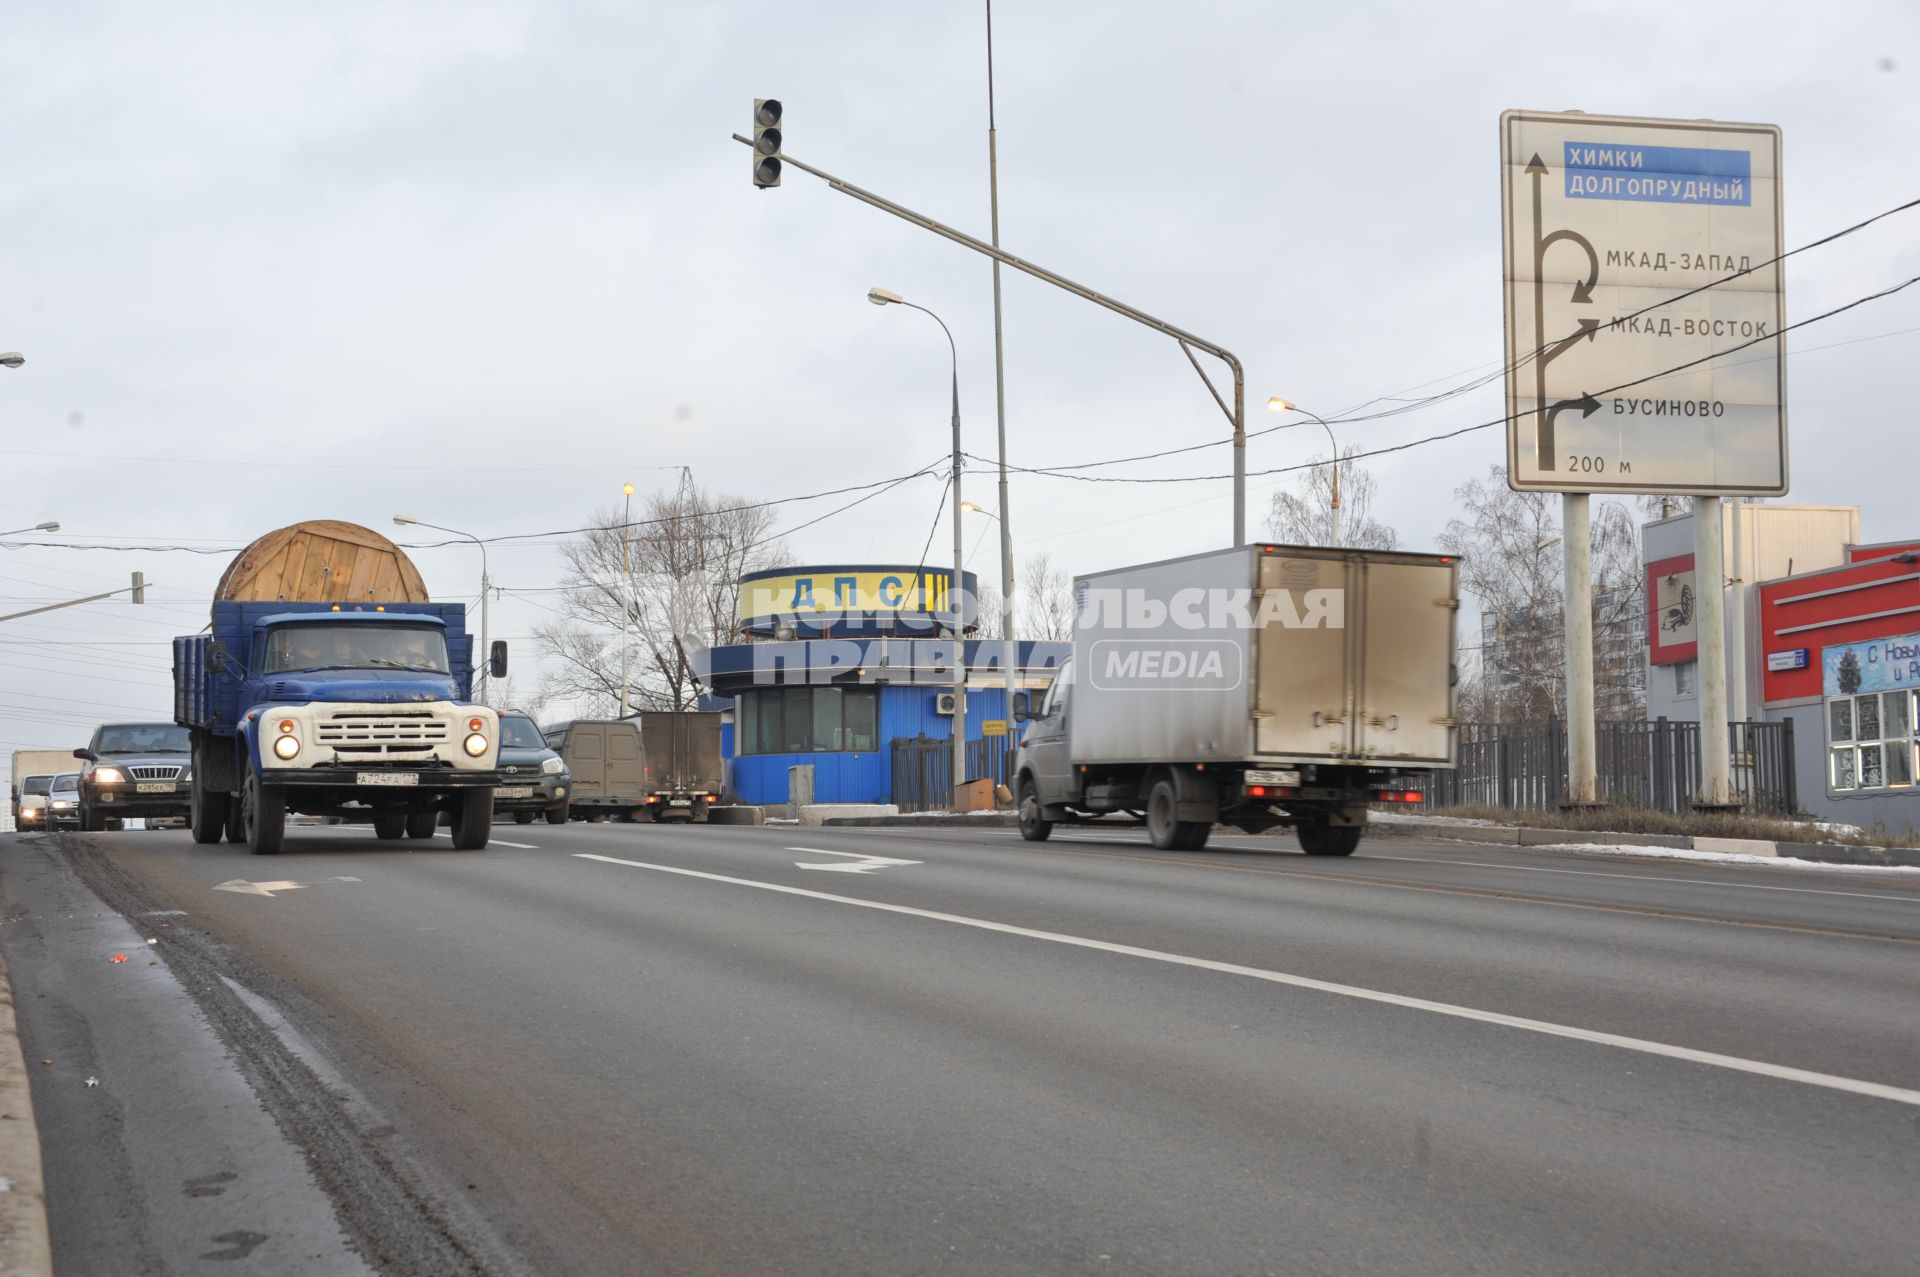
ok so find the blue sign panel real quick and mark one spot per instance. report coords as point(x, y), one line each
point(1883, 665)
point(1661, 174)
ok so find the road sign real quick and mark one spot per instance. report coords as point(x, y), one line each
point(1610, 225)
point(994, 727)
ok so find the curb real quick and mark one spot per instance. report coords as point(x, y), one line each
point(986, 820)
point(1527, 836)
point(25, 1245)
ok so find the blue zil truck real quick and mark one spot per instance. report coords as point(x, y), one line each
point(353, 708)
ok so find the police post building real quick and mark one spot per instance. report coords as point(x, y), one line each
point(845, 667)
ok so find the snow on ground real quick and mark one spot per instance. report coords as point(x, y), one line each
point(1723, 857)
point(1395, 817)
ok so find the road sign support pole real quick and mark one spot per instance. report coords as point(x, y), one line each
point(1583, 788)
point(1709, 575)
point(1737, 616)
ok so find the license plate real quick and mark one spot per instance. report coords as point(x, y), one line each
point(1257, 777)
point(514, 791)
point(388, 778)
point(680, 802)
point(153, 787)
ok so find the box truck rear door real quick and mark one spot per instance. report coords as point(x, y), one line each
point(1406, 676)
point(1302, 697)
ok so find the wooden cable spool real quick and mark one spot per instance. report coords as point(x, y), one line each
point(322, 561)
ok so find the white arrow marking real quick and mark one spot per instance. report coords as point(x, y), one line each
point(867, 863)
point(267, 888)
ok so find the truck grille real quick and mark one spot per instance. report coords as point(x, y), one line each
point(160, 771)
point(362, 729)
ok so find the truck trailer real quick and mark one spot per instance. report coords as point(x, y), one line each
point(329, 685)
point(43, 765)
point(684, 772)
point(1258, 687)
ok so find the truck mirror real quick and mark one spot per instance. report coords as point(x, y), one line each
point(497, 659)
point(1022, 710)
point(87, 754)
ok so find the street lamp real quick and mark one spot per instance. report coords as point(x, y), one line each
point(626, 595)
point(13, 359)
point(957, 595)
point(486, 588)
point(1277, 404)
point(48, 526)
point(1009, 650)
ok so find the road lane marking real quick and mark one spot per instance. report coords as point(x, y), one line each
point(1734, 1063)
point(242, 886)
point(523, 846)
point(868, 864)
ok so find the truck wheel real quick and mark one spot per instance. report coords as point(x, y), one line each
point(557, 815)
point(523, 818)
point(263, 811)
point(388, 825)
point(1034, 826)
point(472, 819)
point(236, 827)
point(1320, 838)
point(207, 817)
point(421, 824)
point(1164, 828)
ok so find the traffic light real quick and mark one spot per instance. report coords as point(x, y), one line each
point(139, 587)
point(766, 142)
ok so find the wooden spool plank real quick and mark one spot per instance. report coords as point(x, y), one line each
point(322, 561)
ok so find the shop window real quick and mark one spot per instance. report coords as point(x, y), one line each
point(1871, 741)
point(809, 720)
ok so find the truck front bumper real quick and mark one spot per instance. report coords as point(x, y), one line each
point(385, 778)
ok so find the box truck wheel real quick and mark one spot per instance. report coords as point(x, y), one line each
point(206, 815)
point(472, 819)
point(1164, 828)
point(422, 823)
point(388, 825)
point(1318, 837)
point(263, 810)
point(1034, 826)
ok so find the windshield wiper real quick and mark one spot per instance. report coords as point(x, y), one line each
point(396, 665)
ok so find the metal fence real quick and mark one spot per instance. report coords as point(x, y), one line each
point(923, 769)
point(1653, 764)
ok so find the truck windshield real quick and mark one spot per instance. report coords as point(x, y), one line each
point(355, 647)
point(142, 738)
point(520, 733)
point(36, 784)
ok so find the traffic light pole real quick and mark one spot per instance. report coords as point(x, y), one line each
point(138, 589)
point(1236, 414)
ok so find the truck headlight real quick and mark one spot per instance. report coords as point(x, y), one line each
point(554, 766)
point(107, 776)
point(476, 744)
point(285, 747)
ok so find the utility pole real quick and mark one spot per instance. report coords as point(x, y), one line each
point(626, 595)
point(1009, 645)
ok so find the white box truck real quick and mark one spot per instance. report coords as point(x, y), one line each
point(1258, 687)
point(38, 766)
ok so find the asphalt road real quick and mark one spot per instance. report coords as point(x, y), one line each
point(639, 1049)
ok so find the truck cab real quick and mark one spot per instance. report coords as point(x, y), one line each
point(30, 803)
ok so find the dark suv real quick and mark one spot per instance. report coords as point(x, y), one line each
point(134, 769)
point(533, 779)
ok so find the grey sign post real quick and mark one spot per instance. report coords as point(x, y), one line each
point(1637, 252)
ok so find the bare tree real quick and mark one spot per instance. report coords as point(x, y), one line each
point(676, 574)
point(987, 614)
point(1046, 600)
point(1305, 516)
point(1619, 614)
point(1503, 540)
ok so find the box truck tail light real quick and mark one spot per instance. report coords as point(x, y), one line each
point(1398, 796)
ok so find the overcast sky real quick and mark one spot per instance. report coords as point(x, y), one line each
point(483, 262)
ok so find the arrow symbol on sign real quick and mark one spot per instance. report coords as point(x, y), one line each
point(867, 863)
point(1587, 405)
point(1582, 292)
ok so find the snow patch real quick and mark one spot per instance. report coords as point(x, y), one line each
point(1722, 857)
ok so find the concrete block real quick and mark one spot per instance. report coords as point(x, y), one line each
point(1426, 829)
point(1838, 853)
point(737, 816)
point(1542, 837)
point(819, 813)
point(1679, 842)
point(1737, 846)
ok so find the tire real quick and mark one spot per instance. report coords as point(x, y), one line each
point(557, 815)
point(207, 817)
point(236, 828)
point(1164, 828)
point(1034, 825)
point(472, 819)
point(114, 826)
point(389, 825)
point(263, 811)
point(422, 824)
point(523, 818)
point(91, 821)
point(1320, 838)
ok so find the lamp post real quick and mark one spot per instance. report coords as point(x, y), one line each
point(12, 359)
point(48, 526)
point(1277, 404)
point(957, 595)
point(1009, 649)
point(626, 594)
point(486, 587)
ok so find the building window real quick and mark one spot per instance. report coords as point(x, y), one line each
point(809, 720)
point(1686, 678)
point(1871, 741)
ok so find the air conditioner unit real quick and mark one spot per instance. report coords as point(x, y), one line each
point(943, 703)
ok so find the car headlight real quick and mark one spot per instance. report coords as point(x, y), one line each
point(107, 775)
point(476, 744)
point(554, 766)
point(285, 747)
point(30, 813)
point(62, 805)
